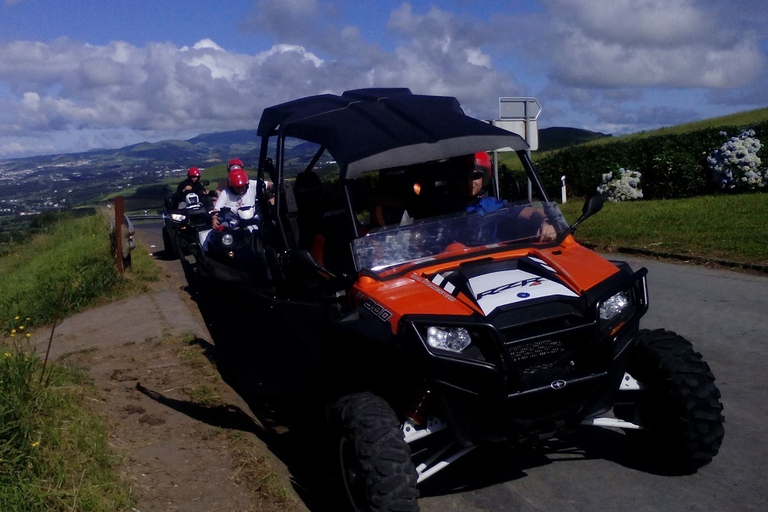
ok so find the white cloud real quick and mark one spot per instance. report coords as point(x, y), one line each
point(160, 88)
point(604, 61)
point(12, 148)
point(654, 23)
point(300, 51)
point(639, 43)
point(203, 44)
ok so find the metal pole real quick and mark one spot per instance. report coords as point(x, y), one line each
point(528, 151)
point(562, 189)
point(119, 213)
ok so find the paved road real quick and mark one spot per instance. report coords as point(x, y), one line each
point(723, 314)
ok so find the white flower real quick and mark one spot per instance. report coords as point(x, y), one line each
point(621, 185)
point(736, 163)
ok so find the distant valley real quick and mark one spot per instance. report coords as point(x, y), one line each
point(53, 182)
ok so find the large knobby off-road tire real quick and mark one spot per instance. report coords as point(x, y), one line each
point(374, 462)
point(190, 269)
point(169, 247)
point(679, 407)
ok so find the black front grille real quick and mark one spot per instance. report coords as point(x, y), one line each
point(563, 352)
point(537, 355)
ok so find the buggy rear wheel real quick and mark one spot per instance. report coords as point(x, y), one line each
point(678, 405)
point(373, 460)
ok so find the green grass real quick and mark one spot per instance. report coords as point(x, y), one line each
point(740, 119)
point(54, 453)
point(727, 227)
point(65, 268)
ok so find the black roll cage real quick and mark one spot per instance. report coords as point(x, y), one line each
point(363, 128)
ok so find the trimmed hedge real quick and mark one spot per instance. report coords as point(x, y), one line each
point(672, 166)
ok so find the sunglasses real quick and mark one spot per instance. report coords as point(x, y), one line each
point(476, 175)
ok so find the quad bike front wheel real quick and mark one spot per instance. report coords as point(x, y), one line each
point(169, 247)
point(678, 404)
point(373, 460)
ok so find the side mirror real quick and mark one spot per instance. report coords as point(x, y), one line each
point(205, 183)
point(591, 206)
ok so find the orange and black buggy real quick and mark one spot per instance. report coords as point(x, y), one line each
point(429, 320)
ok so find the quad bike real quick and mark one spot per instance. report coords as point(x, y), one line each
point(184, 220)
point(232, 252)
point(435, 334)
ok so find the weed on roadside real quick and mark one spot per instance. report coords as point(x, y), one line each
point(255, 469)
point(54, 452)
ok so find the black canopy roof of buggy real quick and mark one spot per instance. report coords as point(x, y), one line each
point(369, 129)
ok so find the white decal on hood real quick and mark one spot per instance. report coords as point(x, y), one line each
point(440, 281)
point(432, 286)
point(542, 263)
point(512, 286)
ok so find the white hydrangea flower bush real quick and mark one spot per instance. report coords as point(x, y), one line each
point(735, 165)
point(621, 185)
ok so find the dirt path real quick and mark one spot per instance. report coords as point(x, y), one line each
point(189, 442)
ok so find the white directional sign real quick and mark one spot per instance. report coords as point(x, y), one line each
point(515, 109)
point(518, 115)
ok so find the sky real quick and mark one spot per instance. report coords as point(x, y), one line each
point(88, 74)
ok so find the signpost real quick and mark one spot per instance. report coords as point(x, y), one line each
point(518, 115)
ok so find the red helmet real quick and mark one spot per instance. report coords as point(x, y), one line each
point(193, 171)
point(235, 163)
point(237, 178)
point(483, 164)
point(482, 161)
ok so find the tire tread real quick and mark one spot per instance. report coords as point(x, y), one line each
point(692, 427)
point(384, 455)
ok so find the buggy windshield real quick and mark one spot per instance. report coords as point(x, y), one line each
point(433, 238)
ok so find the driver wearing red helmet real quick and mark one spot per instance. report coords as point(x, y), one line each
point(477, 179)
point(480, 201)
point(190, 185)
point(239, 192)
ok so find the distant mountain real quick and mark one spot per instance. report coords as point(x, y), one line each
point(559, 137)
point(204, 151)
point(39, 183)
point(215, 148)
point(244, 137)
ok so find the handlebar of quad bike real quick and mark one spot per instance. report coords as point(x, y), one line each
point(254, 219)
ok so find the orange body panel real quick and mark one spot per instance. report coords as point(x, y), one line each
point(580, 267)
point(413, 294)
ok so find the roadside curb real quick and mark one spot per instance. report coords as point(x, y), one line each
point(699, 260)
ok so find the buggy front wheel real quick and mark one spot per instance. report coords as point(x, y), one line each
point(373, 461)
point(678, 404)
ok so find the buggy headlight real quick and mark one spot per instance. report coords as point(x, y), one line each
point(614, 306)
point(455, 339)
point(178, 217)
point(226, 239)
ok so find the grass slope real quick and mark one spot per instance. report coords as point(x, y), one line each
point(54, 453)
point(727, 227)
